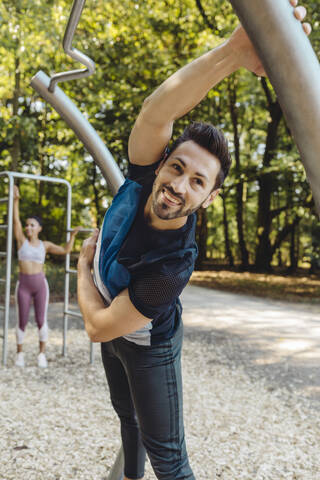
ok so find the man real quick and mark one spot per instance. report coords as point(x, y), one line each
point(145, 255)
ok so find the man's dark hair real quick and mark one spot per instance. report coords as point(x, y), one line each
point(39, 219)
point(213, 140)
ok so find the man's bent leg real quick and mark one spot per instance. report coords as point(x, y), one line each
point(134, 451)
point(154, 374)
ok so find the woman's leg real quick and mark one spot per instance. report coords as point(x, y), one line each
point(134, 451)
point(23, 302)
point(41, 301)
point(154, 375)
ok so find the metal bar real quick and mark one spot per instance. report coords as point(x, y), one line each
point(8, 272)
point(71, 271)
point(72, 314)
point(4, 199)
point(3, 254)
point(294, 71)
point(3, 227)
point(34, 177)
point(82, 128)
point(2, 307)
point(66, 278)
point(73, 52)
point(83, 230)
point(2, 280)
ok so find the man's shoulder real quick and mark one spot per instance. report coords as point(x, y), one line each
point(142, 174)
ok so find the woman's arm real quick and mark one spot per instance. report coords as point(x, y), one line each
point(17, 226)
point(62, 249)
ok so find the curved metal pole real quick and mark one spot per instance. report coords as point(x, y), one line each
point(82, 128)
point(294, 71)
point(73, 52)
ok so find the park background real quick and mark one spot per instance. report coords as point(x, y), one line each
point(261, 236)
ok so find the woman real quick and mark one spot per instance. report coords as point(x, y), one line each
point(32, 283)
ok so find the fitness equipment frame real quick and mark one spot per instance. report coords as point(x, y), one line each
point(8, 254)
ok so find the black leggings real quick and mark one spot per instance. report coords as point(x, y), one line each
point(146, 392)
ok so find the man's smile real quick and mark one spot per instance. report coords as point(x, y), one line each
point(170, 199)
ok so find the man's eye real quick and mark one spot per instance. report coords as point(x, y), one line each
point(199, 181)
point(176, 167)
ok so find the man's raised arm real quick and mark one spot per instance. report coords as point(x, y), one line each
point(181, 92)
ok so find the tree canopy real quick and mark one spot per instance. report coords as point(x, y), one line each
point(265, 215)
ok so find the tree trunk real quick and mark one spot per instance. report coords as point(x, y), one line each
point(42, 149)
point(229, 255)
point(201, 237)
point(239, 184)
point(96, 195)
point(16, 144)
point(264, 251)
point(293, 257)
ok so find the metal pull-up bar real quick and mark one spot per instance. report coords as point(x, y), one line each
point(293, 69)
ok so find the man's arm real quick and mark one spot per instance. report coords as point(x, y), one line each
point(104, 323)
point(181, 92)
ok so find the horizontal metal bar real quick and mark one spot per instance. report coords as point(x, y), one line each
point(71, 270)
point(84, 230)
point(2, 307)
point(72, 314)
point(3, 227)
point(4, 199)
point(35, 177)
point(3, 254)
point(2, 280)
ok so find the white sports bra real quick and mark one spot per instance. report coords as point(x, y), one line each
point(32, 254)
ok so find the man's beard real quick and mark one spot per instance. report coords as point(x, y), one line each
point(167, 212)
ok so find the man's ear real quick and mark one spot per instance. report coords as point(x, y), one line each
point(210, 198)
point(159, 166)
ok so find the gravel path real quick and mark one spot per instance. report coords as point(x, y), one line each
point(247, 416)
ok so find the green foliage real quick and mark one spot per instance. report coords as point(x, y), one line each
point(136, 45)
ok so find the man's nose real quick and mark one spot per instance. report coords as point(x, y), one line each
point(179, 184)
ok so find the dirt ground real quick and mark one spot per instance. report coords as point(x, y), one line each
point(275, 340)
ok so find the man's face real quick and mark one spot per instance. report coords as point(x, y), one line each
point(185, 181)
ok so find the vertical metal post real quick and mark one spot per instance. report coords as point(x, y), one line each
point(8, 270)
point(67, 274)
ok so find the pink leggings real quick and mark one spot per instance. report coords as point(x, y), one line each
point(32, 287)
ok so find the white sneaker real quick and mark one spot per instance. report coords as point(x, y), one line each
point(20, 360)
point(42, 361)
